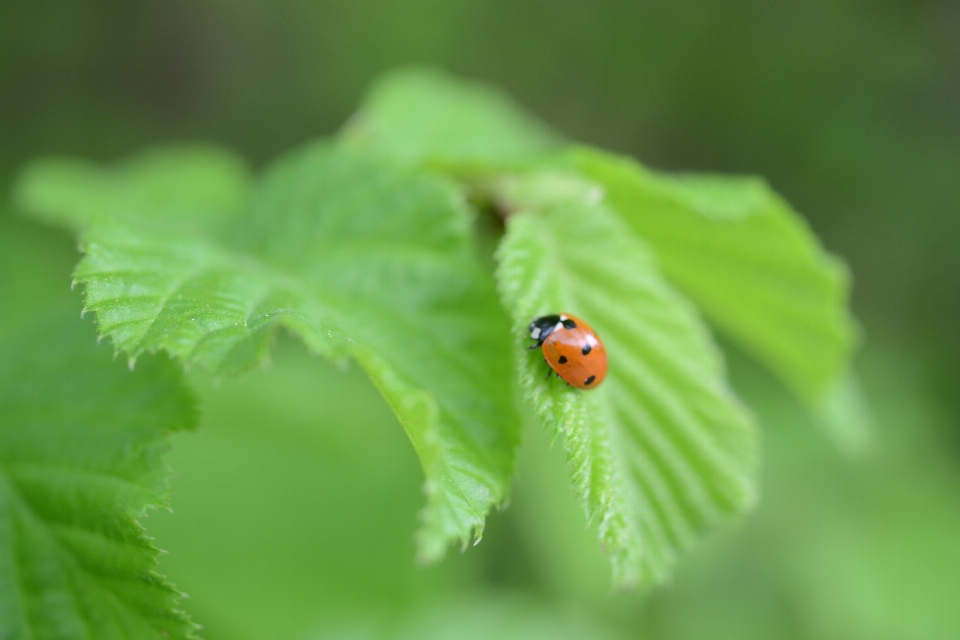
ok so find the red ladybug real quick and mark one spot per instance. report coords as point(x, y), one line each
point(571, 348)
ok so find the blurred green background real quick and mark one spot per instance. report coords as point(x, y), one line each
point(295, 503)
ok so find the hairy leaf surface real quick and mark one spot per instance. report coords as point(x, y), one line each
point(663, 449)
point(747, 259)
point(358, 258)
point(81, 445)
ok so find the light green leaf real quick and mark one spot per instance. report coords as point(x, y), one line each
point(358, 258)
point(746, 258)
point(663, 449)
point(81, 446)
point(178, 185)
point(425, 117)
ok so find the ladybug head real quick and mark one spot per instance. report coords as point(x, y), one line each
point(543, 326)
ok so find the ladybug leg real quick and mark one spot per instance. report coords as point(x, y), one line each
point(549, 369)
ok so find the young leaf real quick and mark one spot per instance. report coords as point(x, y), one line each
point(425, 117)
point(751, 264)
point(358, 258)
point(81, 446)
point(663, 449)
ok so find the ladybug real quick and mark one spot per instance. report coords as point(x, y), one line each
point(571, 348)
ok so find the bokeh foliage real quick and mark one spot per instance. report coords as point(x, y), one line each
point(848, 110)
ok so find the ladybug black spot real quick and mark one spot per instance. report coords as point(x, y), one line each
point(562, 360)
point(568, 323)
point(589, 380)
point(586, 349)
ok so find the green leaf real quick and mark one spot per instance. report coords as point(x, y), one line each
point(81, 446)
point(747, 259)
point(177, 184)
point(663, 449)
point(358, 258)
point(425, 117)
